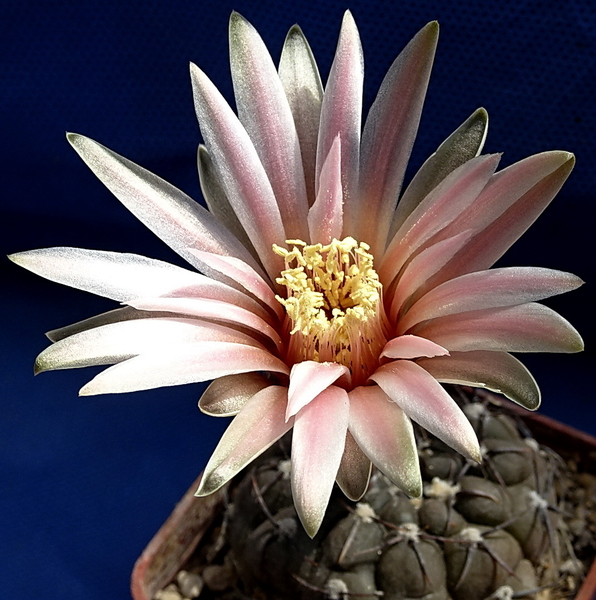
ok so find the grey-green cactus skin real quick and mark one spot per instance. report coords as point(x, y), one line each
point(478, 530)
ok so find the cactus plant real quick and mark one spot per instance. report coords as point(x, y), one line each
point(498, 530)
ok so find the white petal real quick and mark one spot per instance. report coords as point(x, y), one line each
point(325, 217)
point(341, 113)
point(264, 111)
point(525, 328)
point(490, 289)
point(308, 379)
point(190, 363)
point(209, 309)
point(245, 275)
point(317, 447)
point(115, 342)
point(110, 274)
point(389, 134)
point(412, 346)
point(240, 170)
point(423, 399)
point(177, 219)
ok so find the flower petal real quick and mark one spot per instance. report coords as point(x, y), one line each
point(490, 289)
point(264, 111)
point(308, 379)
point(325, 218)
point(412, 346)
point(423, 399)
point(217, 201)
point(127, 313)
point(188, 363)
point(116, 342)
point(389, 134)
point(302, 84)
point(354, 470)
point(385, 434)
point(239, 168)
point(510, 203)
point(227, 396)
point(254, 429)
point(169, 213)
point(524, 328)
point(341, 113)
point(465, 143)
point(423, 266)
point(444, 204)
point(317, 447)
point(209, 309)
point(114, 275)
point(245, 275)
point(496, 371)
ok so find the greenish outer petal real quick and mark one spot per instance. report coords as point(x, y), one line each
point(496, 371)
point(226, 396)
point(301, 81)
point(464, 143)
point(254, 429)
point(354, 470)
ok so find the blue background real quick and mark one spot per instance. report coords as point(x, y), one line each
point(87, 481)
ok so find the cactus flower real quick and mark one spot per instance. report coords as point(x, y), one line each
point(317, 302)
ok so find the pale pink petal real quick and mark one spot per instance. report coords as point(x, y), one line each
point(510, 203)
point(308, 379)
point(127, 313)
point(218, 203)
point(254, 429)
point(114, 275)
point(227, 396)
point(385, 434)
point(496, 371)
point(302, 84)
point(446, 202)
point(264, 111)
point(524, 328)
point(354, 470)
point(412, 346)
point(188, 363)
point(317, 447)
point(489, 289)
point(116, 342)
point(325, 217)
point(209, 309)
point(423, 399)
point(177, 219)
point(242, 175)
point(341, 113)
point(465, 143)
point(389, 134)
point(423, 266)
point(245, 275)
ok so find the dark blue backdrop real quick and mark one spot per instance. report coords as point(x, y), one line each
point(86, 482)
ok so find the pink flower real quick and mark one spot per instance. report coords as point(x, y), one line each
point(324, 306)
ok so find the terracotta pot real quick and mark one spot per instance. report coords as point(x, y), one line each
point(182, 532)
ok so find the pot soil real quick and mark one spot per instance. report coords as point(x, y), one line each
point(521, 526)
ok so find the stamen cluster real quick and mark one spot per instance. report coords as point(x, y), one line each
point(333, 302)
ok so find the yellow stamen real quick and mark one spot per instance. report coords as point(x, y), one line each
point(334, 303)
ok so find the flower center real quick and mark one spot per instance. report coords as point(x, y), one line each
point(334, 304)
